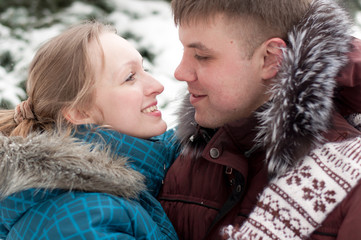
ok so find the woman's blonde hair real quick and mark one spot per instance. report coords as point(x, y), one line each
point(60, 77)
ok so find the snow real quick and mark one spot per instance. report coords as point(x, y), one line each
point(149, 21)
point(356, 28)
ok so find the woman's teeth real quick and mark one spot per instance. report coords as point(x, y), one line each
point(150, 109)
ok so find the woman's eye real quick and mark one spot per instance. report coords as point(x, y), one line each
point(130, 77)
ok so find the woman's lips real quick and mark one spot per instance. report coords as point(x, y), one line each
point(152, 110)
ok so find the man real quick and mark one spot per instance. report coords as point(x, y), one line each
point(265, 86)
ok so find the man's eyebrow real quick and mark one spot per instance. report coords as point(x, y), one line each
point(199, 46)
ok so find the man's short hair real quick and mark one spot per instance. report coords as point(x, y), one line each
point(263, 19)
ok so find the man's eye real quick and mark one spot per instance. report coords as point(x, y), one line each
point(130, 77)
point(201, 58)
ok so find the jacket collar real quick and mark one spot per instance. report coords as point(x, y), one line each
point(55, 161)
point(301, 106)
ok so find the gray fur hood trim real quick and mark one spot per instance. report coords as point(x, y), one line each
point(301, 104)
point(53, 161)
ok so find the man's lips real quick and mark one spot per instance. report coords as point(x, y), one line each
point(194, 98)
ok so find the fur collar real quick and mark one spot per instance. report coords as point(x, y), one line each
point(300, 109)
point(53, 161)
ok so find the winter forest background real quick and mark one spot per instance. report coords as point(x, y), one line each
point(148, 24)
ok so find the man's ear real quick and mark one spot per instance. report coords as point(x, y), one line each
point(273, 55)
point(75, 116)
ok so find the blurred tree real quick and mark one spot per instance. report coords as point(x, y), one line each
point(358, 2)
point(22, 16)
point(353, 6)
point(39, 8)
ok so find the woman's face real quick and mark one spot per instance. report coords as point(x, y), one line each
point(125, 94)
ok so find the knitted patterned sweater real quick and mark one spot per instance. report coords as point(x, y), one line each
point(296, 203)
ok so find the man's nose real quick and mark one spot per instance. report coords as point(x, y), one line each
point(185, 71)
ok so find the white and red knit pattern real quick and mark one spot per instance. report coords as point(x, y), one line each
point(295, 204)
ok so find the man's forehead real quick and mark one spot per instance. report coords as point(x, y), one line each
point(205, 37)
point(203, 19)
point(205, 47)
point(219, 23)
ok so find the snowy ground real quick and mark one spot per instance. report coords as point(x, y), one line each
point(148, 25)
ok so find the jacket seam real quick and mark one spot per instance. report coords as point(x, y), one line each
point(325, 234)
point(188, 202)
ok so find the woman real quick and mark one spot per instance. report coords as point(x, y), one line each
point(89, 83)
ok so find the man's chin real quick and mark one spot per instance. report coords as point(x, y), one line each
point(207, 121)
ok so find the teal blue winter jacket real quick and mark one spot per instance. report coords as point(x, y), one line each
point(55, 187)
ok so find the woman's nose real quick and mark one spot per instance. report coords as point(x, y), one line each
point(153, 86)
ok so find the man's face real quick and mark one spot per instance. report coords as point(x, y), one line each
point(224, 83)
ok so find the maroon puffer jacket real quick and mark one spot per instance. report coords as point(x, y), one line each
point(196, 189)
